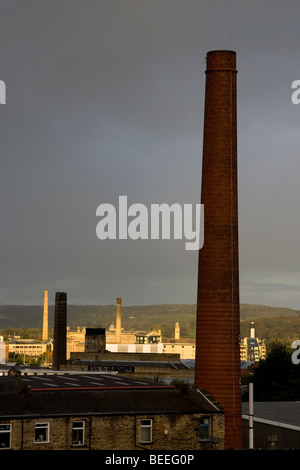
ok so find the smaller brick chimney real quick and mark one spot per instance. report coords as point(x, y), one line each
point(45, 317)
point(118, 321)
point(60, 330)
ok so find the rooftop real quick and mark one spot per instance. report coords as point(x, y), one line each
point(84, 381)
point(278, 413)
point(97, 365)
point(25, 341)
point(63, 394)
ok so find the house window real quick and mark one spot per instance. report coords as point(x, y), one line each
point(204, 428)
point(5, 432)
point(41, 432)
point(78, 433)
point(146, 431)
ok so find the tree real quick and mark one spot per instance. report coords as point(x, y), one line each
point(277, 378)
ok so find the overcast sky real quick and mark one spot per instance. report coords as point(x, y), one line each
point(105, 98)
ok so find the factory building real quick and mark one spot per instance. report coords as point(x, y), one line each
point(27, 347)
point(275, 425)
point(185, 347)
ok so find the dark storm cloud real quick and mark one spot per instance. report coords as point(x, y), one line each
point(105, 98)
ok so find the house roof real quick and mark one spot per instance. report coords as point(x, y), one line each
point(98, 394)
point(85, 381)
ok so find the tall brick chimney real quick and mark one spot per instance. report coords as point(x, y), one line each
point(45, 317)
point(60, 330)
point(217, 365)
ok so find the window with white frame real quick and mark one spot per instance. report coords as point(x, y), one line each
point(5, 435)
point(41, 432)
point(78, 433)
point(146, 431)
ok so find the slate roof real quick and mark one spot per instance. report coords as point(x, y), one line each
point(136, 397)
point(84, 381)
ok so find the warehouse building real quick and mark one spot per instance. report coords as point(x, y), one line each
point(275, 425)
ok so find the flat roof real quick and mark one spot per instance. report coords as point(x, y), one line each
point(128, 363)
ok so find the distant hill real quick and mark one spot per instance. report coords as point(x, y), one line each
point(270, 322)
point(249, 312)
point(133, 317)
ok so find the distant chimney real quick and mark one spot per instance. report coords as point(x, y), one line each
point(177, 331)
point(217, 364)
point(45, 317)
point(252, 330)
point(60, 330)
point(118, 321)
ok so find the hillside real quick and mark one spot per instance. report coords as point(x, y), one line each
point(249, 312)
point(133, 317)
point(270, 322)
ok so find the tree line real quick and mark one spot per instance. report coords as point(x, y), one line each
point(277, 377)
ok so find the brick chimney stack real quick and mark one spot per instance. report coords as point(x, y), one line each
point(118, 321)
point(60, 330)
point(217, 365)
point(45, 317)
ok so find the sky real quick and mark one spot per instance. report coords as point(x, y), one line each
point(106, 98)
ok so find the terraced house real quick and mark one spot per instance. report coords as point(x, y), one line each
point(99, 411)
